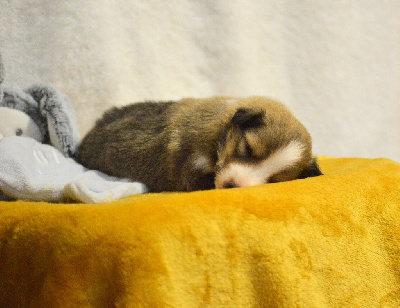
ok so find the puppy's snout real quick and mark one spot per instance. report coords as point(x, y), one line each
point(230, 184)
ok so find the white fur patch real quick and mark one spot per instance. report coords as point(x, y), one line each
point(245, 174)
point(202, 162)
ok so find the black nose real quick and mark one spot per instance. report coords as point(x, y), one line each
point(230, 184)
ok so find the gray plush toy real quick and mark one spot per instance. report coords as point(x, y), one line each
point(38, 139)
point(52, 118)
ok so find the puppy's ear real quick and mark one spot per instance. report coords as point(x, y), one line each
point(311, 171)
point(248, 118)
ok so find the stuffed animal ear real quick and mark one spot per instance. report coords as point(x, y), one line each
point(248, 118)
point(56, 108)
point(311, 171)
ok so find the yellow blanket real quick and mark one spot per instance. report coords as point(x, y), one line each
point(329, 241)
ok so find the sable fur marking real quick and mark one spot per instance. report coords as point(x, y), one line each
point(246, 118)
point(312, 171)
point(187, 145)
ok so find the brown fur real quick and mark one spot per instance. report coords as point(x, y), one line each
point(158, 143)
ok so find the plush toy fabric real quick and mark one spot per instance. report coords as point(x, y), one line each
point(328, 241)
point(37, 169)
point(17, 123)
point(52, 113)
point(49, 109)
point(39, 172)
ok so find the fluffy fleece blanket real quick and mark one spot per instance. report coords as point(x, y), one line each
point(330, 241)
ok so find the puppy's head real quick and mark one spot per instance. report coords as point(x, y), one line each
point(263, 143)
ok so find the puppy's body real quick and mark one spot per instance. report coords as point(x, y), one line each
point(198, 144)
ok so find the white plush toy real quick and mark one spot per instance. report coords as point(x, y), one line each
point(17, 123)
point(38, 137)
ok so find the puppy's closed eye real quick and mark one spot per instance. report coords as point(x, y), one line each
point(248, 151)
point(244, 150)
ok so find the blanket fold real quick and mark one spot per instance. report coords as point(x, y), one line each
point(329, 241)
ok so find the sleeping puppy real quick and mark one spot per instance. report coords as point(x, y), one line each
point(198, 144)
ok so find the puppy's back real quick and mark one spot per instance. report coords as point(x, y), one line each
point(139, 113)
point(125, 142)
